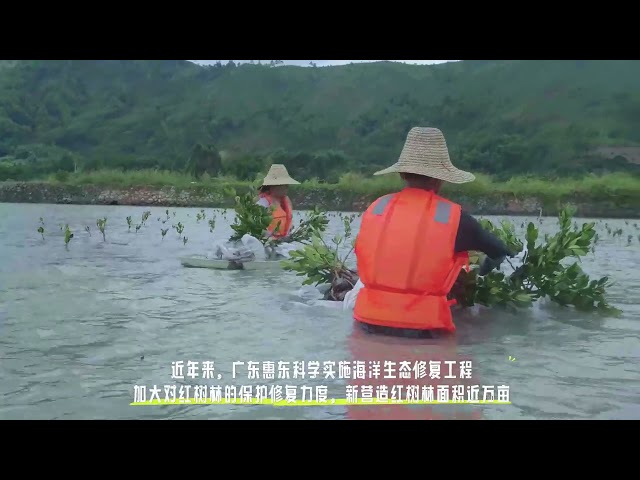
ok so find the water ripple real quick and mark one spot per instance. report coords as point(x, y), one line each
point(80, 327)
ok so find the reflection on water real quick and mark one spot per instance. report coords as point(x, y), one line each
point(80, 327)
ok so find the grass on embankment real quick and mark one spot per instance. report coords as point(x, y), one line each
point(616, 187)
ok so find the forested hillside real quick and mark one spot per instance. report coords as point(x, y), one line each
point(503, 118)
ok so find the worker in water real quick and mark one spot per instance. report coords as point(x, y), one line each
point(412, 244)
point(273, 194)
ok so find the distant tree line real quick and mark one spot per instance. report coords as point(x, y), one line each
point(502, 118)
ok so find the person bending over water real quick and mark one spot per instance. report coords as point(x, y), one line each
point(412, 244)
point(273, 193)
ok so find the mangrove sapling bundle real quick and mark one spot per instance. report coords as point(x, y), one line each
point(253, 219)
point(545, 271)
point(322, 264)
point(542, 272)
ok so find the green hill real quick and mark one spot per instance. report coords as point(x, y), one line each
point(502, 118)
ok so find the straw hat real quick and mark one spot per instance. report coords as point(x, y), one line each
point(278, 175)
point(425, 153)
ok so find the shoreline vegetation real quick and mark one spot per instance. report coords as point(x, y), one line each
point(615, 195)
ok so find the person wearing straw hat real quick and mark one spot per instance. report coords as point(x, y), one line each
point(412, 244)
point(273, 194)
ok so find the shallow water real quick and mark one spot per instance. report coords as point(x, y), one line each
point(80, 327)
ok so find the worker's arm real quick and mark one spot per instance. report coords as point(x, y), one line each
point(472, 237)
point(263, 202)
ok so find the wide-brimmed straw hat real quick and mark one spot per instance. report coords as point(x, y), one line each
point(278, 175)
point(425, 153)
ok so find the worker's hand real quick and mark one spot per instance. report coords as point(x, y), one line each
point(490, 264)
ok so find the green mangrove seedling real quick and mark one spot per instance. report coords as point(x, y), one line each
point(67, 236)
point(102, 225)
point(185, 240)
point(129, 222)
point(138, 227)
point(41, 228)
point(212, 224)
point(163, 231)
point(316, 221)
point(145, 217)
point(87, 229)
point(179, 228)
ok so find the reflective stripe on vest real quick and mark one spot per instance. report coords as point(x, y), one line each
point(443, 212)
point(442, 215)
point(381, 204)
point(406, 260)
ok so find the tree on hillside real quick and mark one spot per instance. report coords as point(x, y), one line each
point(243, 167)
point(204, 159)
point(499, 117)
point(67, 163)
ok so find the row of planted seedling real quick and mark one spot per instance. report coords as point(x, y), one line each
point(610, 231)
point(101, 224)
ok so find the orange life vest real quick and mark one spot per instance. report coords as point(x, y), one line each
point(406, 258)
point(283, 214)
